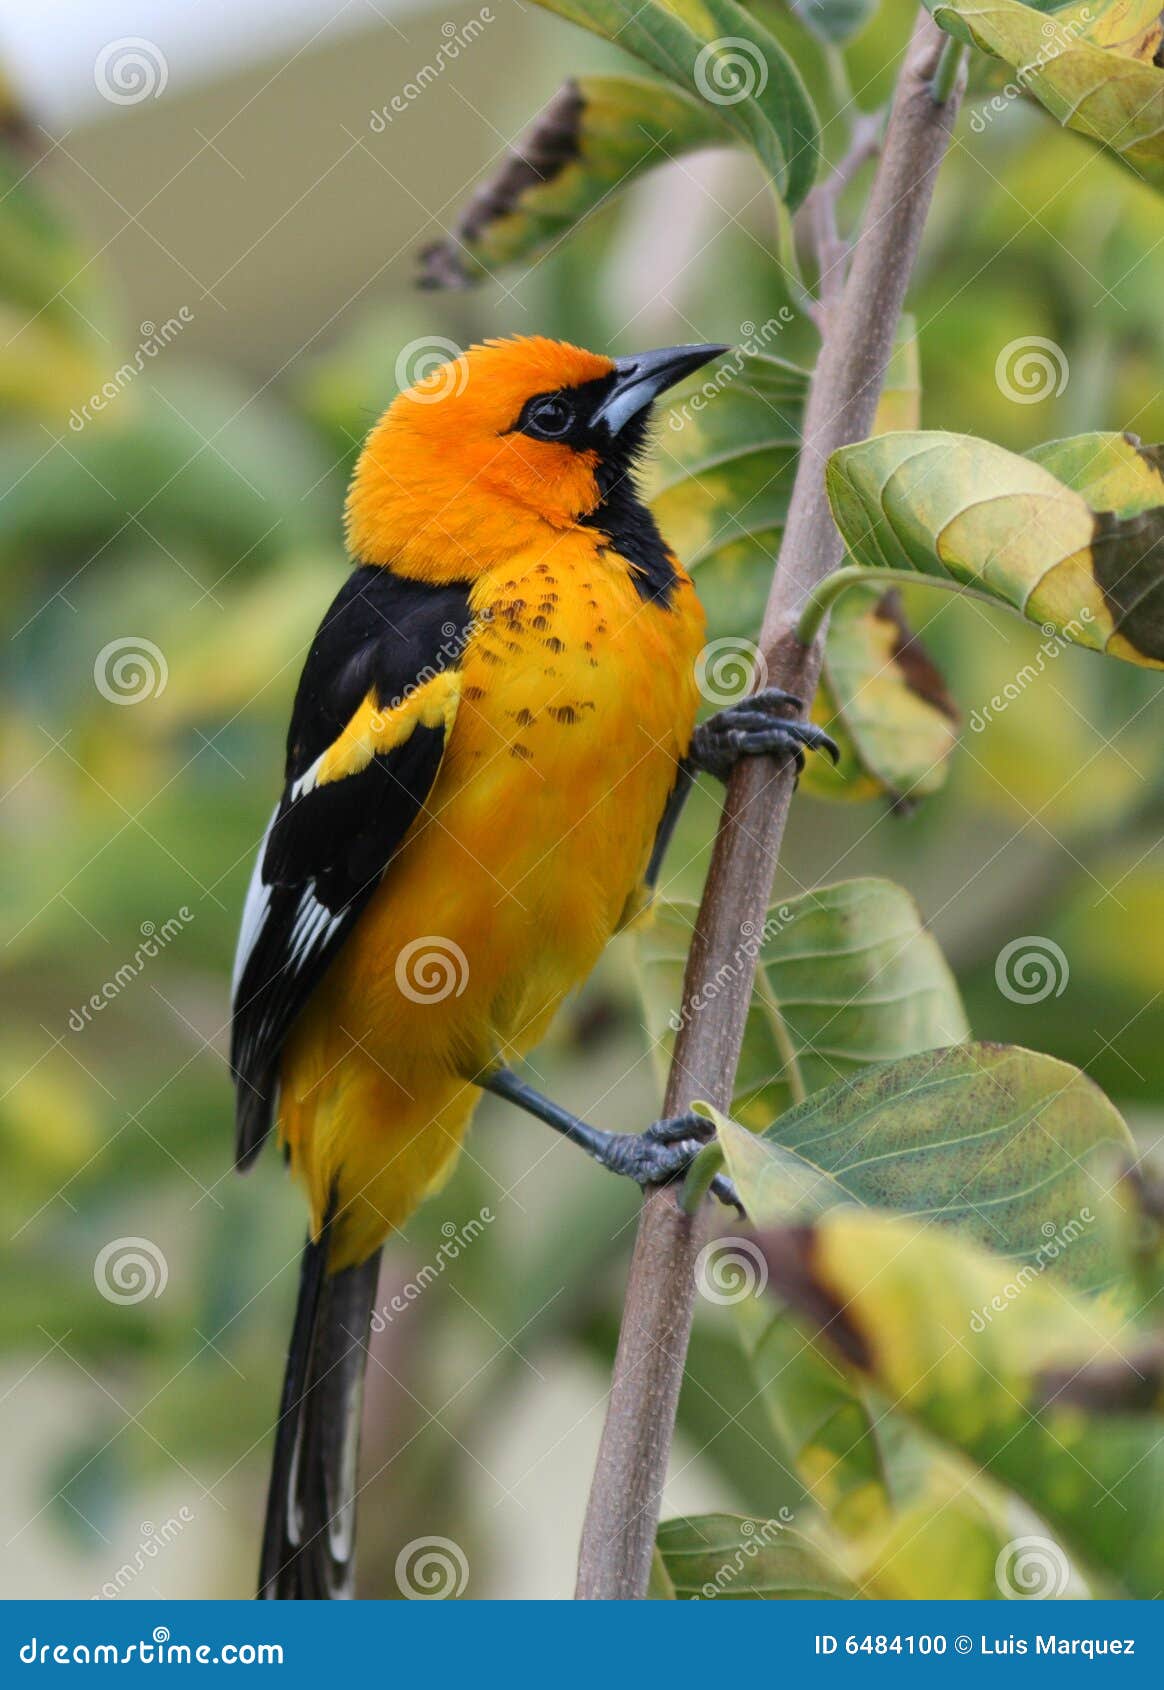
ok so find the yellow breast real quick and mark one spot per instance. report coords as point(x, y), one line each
point(577, 700)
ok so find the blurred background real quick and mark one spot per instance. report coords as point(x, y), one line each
point(204, 197)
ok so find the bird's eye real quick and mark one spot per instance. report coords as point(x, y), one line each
point(552, 418)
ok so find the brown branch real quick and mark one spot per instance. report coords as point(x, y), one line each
point(619, 1533)
point(820, 215)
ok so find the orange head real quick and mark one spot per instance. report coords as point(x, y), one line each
point(499, 446)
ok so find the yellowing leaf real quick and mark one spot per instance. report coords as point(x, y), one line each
point(597, 134)
point(717, 51)
point(971, 1352)
point(944, 1542)
point(885, 699)
point(1115, 100)
point(1030, 531)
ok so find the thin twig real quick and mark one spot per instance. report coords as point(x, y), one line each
point(830, 249)
point(619, 1533)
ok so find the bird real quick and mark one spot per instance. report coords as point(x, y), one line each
point(492, 737)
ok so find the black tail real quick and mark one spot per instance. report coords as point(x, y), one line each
point(309, 1542)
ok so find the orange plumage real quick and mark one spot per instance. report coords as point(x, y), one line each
point(485, 742)
point(577, 699)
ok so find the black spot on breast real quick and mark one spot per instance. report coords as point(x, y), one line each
point(522, 751)
point(564, 713)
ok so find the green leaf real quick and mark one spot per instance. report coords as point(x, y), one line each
point(717, 51)
point(966, 1349)
point(1071, 536)
point(726, 1556)
point(991, 1139)
point(597, 135)
point(846, 975)
point(1113, 99)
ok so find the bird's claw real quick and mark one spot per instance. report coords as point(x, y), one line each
point(665, 1151)
point(724, 1188)
point(755, 727)
point(673, 1129)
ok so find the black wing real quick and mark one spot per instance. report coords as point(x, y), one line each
point(383, 641)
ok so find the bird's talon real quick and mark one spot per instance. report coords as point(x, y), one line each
point(724, 1188)
point(673, 1128)
point(744, 730)
point(660, 1154)
point(773, 698)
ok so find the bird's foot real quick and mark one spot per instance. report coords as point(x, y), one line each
point(663, 1152)
point(757, 727)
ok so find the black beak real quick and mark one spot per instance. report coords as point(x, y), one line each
point(642, 378)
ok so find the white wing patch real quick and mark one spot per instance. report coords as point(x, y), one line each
point(255, 911)
point(313, 926)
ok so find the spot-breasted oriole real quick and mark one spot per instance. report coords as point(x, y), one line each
point(492, 736)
